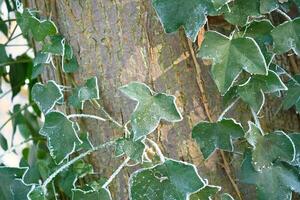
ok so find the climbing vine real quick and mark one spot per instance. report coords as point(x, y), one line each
point(243, 67)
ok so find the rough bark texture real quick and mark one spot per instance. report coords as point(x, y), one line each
point(121, 41)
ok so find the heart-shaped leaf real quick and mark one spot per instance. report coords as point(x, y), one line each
point(230, 57)
point(218, 135)
point(269, 148)
point(260, 31)
point(70, 66)
point(41, 29)
point(101, 194)
point(189, 14)
point(169, 180)
point(273, 183)
point(61, 135)
point(205, 193)
point(55, 45)
point(151, 108)
point(88, 91)
point(133, 149)
point(252, 92)
point(286, 36)
point(46, 96)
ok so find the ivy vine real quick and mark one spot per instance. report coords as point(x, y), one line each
point(244, 68)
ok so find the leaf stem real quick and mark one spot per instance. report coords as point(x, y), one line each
point(228, 108)
point(86, 116)
point(68, 164)
point(157, 149)
point(111, 178)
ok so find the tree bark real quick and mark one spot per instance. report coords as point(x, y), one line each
point(120, 41)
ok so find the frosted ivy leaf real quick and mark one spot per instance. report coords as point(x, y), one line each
point(40, 29)
point(88, 91)
point(46, 96)
point(151, 108)
point(55, 45)
point(269, 148)
point(20, 190)
point(7, 178)
point(170, 180)
point(41, 58)
point(218, 135)
point(61, 135)
point(273, 183)
point(70, 66)
point(296, 140)
point(37, 194)
point(101, 194)
point(230, 57)
point(292, 97)
point(133, 149)
point(286, 36)
point(189, 14)
point(252, 92)
point(206, 193)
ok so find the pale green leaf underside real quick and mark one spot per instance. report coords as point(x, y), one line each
point(60, 134)
point(218, 135)
point(269, 148)
point(151, 108)
point(46, 96)
point(286, 36)
point(171, 180)
point(230, 57)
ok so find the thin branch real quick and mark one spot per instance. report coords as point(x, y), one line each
point(86, 116)
point(12, 38)
point(111, 178)
point(11, 35)
point(228, 108)
point(9, 20)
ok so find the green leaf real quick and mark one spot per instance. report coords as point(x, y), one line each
point(3, 27)
point(226, 196)
point(37, 70)
point(218, 135)
point(269, 148)
point(68, 52)
point(101, 194)
point(88, 91)
point(23, 20)
point(189, 14)
point(151, 108)
point(286, 37)
point(296, 140)
point(170, 180)
point(41, 58)
point(274, 183)
point(71, 66)
point(37, 194)
point(292, 97)
point(230, 57)
point(20, 190)
point(41, 29)
point(252, 92)
point(62, 138)
point(241, 10)
point(3, 142)
point(205, 193)
point(267, 6)
point(3, 55)
point(46, 96)
point(133, 149)
point(7, 177)
point(260, 31)
point(55, 45)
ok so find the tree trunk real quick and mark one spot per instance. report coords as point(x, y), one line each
point(121, 41)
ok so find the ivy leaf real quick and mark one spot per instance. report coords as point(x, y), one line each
point(23, 20)
point(20, 190)
point(3, 142)
point(189, 14)
point(41, 58)
point(37, 70)
point(205, 193)
point(292, 97)
point(88, 91)
point(3, 27)
point(151, 108)
point(275, 183)
point(62, 138)
point(226, 196)
point(133, 149)
point(55, 45)
point(46, 96)
point(70, 66)
point(169, 180)
point(267, 6)
point(68, 52)
point(37, 194)
point(101, 194)
point(296, 140)
point(7, 177)
point(241, 10)
point(286, 37)
point(218, 135)
point(41, 29)
point(260, 31)
point(3, 55)
point(252, 92)
point(230, 57)
point(269, 148)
